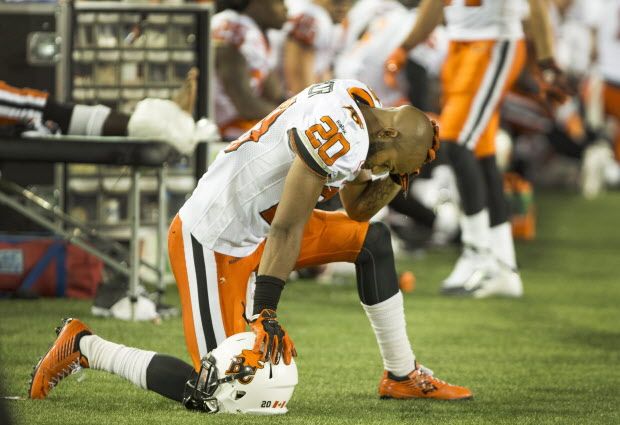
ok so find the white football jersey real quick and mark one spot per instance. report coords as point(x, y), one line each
point(311, 25)
point(572, 39)
point(358, 19)
point(233, 28)
point(365, 58)
point(606, 20)
point(485, 19)
point(231, 208)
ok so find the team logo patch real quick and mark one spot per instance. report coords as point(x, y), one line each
point(354, 115)
point(248, 361)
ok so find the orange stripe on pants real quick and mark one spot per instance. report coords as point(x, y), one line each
point(471, 99)
point(27, 101)
point(328, 237)
point(23, 92)
point(176, 253)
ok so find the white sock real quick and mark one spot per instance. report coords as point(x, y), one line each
point(502, 244)
point(130, 363)
point(88, 120)
point(475, 230)
point(388, 321)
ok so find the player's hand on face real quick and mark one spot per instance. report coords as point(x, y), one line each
point(271, 339)
point(393, 65)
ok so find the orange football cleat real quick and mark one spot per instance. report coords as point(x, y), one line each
point(421, 384)
point(62, 359)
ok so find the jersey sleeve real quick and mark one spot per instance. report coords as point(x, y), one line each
point(332, 142)
point(304, 28)
point(228, 31)
point(594, 14)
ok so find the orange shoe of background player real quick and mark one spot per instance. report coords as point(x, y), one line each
point(62, 359)
point(421, 384)
point(406, 282)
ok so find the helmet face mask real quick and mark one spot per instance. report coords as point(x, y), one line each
point(199, 391)
point(232, 379)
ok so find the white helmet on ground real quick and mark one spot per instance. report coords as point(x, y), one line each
point(232, 379)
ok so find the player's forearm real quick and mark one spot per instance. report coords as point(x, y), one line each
point(376, 195)
point(281, 251)
point(234, 74)
point(429, 16)
point(298, 66)
point(248, 104)
point(540, 29)
point(251, 107)
point(302, 188)
point(273, 89)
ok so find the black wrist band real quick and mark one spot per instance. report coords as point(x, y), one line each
point(267, 294)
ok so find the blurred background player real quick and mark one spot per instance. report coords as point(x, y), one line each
point(28, 110)
point(608, 48)
point(23, 109)
point(357, 19)
point(246, 88)
point(384, 27)
point(384, 32)
point(601, 165)
point(313, 37)
point(485, 56)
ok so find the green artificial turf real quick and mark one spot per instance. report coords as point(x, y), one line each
point(550, 357)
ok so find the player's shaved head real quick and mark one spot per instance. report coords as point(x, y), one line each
point(400, 138)
point(415, 135)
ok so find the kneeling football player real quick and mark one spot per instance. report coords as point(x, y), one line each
point(254, 211)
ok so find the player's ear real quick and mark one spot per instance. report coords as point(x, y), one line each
point(387, 134)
